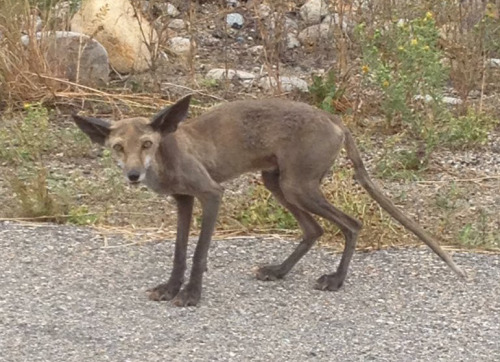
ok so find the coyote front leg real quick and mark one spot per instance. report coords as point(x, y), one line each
point(169, 290)
point(191, 293)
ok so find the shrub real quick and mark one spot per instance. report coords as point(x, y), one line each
point(467, 131)
point(402, 61)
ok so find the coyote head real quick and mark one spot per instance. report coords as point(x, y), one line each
point(134, 141)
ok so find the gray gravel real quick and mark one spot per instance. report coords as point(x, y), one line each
point(66, 297)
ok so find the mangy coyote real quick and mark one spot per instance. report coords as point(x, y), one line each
point(293, 144)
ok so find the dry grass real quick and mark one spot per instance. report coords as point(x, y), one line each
point(19, 65)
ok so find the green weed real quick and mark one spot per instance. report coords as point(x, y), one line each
point(345, 194)
point(262, 211)
point(34, 197)
point(447, 198)
point(209, 83)
point(402, 159)
point(73, 141)
point(25, 145)
point(479, 234)
point(402, 164)
point(468, 131)
point(80, 215)
point(26, 140)
point(324, 91)
point(403, 61)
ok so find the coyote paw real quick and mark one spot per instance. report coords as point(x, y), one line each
point(270, 272)
point(331, 282)
point(165, 291)
point(188, 297)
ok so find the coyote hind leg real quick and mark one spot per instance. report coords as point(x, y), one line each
point(310, 228)
point(308, 196)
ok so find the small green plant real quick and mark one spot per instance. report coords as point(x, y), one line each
point(403, 61)
point(25, 144)
point(27, 139)
point(263, 211)
point(35, 199)
point(403, 164)
point(479, 234)
point(324, 91)
point(74, 142)
point(404, 160)
point(22, 144)
point(343, 192)
point(489, 29)
point(447, 198)
point(467, 131)
point(209, 83)
point(81, 215)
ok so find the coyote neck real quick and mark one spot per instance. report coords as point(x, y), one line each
point(162, 176)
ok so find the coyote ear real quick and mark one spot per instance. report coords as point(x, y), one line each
point(167, 119)
point(97, 129)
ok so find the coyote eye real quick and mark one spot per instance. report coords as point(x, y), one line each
point(147, 144)
point(118, 147)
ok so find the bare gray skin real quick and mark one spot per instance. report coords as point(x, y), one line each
point(291, 143)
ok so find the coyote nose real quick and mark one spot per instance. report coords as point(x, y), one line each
point(133, 176)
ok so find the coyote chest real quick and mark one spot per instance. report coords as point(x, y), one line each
point(166, 184)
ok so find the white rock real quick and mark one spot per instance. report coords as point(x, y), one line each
point(221, 73)
point(120, 29)
point(289, 24)
point(235, 20)
point(446, 99)
point(62, 14)
point(256, 49)
point(180, 45)
point(292, 41)
point(161, 7)
point(33, 25)
point(334, 20)
point(316, 33)
point(402, 22)
point(263, 10)
point(177, 24)
point(452, 100)
point(171, 10)
point(362, 4)
point(288, 84)
point(494, 62)
point(232, 3)
point(37, 22)
point(313, 11)
point(426, 98)
point(74, 56)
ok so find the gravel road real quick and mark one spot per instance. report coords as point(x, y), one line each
point(65, 296)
